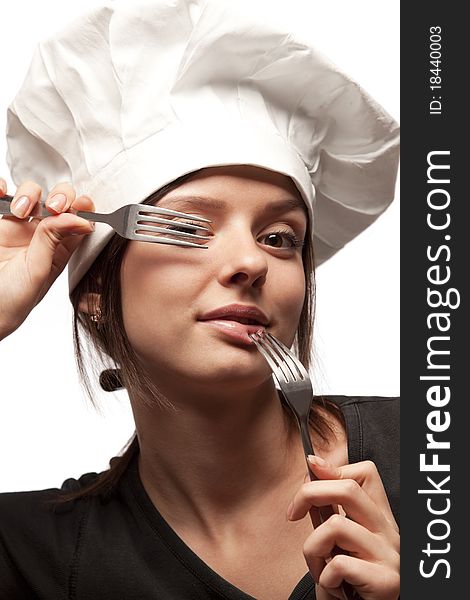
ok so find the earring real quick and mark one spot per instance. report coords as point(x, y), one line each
point(110, 380)
point(96, 318)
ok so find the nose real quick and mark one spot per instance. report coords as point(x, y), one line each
point(243, 261)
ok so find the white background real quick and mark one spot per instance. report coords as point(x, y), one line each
point(47, 430)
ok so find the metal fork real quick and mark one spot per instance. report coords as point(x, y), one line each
point(294, 383)
point(130, 220)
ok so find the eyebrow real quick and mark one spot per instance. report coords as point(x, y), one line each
point(276, 207)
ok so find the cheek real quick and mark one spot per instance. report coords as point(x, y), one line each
point(293, 294)
point(288, 297)
point(158, 289)
point(137, 277)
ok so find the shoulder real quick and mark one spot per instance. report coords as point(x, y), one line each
point(373, 424)
point(36, 532)
point(44, 503)
point(341, 400)
point(373, 429)
point(39, 514)
point(381, 410)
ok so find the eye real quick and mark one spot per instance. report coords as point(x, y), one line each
point(184, 227)
point(180, 226)
point(275, 237)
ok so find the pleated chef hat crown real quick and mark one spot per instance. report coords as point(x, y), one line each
point(137, 93)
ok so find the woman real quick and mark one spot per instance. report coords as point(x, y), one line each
point(214, 483)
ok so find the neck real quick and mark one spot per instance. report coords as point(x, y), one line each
point(216, 452)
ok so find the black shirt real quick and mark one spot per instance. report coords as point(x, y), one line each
point(120, 548)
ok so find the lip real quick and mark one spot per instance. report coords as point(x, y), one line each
point(219, 318)
point(240, 311)
point(235, 330)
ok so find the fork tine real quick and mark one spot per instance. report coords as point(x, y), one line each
point(156, 239)
point(267, 356)
point(295, 365)
point(287, 366)
point(282, 365)
point(284, 359)
point(166, 211)
point(277, 365)
point(152, 228)
point(149, 219)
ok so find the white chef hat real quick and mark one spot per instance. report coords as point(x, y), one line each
point(137, 93)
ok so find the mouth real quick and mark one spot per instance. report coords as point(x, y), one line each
point(236, 321)
point(238, 330)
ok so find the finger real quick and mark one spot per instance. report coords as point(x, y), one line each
point(60, 198)
point(3, 187)
point(49, 235)
point(319, 468)
point(338, 531)
point(347, 492)
point(82, 202)
point(322, 594)
point(315, 566)
point(322, 468)
point(25, 199)
point(370, 580)
point(365, 473)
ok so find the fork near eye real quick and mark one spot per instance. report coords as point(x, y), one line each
point(139, 222)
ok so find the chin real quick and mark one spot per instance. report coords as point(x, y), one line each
point(227, 369)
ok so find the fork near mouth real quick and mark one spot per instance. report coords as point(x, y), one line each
point(139, 222)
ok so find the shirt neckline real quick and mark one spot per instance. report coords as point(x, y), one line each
point(189, 559)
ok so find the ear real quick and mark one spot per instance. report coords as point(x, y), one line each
point(89, 303)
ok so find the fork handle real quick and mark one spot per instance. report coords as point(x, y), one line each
point(41, 212)
point(94, 216)
point(324, 512)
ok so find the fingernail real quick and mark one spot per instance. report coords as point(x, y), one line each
point(19, 206)
point(57, 202)
point(290, 510)
point(316, 460)
point(3, 186)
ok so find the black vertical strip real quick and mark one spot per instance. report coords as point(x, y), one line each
point(435, 318)
point(354, 428)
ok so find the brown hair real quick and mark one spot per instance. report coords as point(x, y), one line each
point(110, 342)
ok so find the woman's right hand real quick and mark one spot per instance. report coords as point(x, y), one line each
point(33, 254)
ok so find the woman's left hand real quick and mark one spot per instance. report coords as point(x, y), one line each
point(369, 534)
